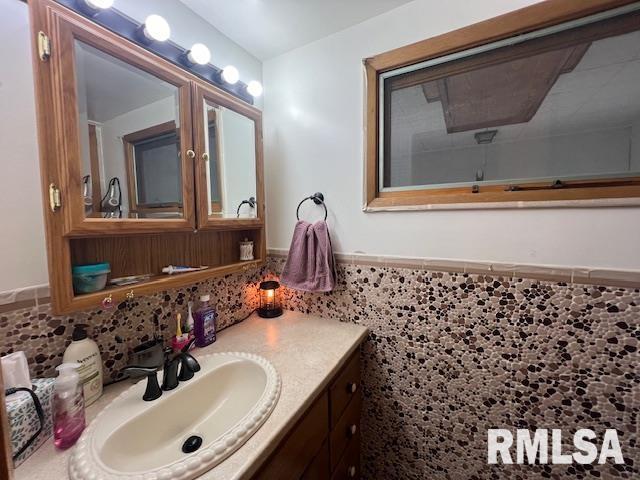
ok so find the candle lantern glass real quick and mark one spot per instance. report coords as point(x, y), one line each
point(270, 304)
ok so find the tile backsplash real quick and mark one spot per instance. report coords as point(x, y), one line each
point(44, 336)
point(450, 355)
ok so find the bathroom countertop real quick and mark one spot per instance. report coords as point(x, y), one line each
point(306, 351)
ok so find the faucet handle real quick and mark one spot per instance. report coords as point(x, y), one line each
point(153, 390)
point(188, 346)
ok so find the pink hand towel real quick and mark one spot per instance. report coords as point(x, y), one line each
point(310, 265)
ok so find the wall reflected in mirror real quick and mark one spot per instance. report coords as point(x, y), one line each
point(130, 139)
point(230, 146)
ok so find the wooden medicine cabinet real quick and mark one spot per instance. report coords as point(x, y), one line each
point(143, 163)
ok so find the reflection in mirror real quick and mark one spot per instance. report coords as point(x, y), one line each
point(130, 139)
point(564, 106)
point(231, 174)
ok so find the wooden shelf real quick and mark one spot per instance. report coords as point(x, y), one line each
point(155, 284)
point(148, 254)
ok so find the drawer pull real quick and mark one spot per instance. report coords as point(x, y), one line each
point(352, 387)
point(352, 471)
point(352, 430)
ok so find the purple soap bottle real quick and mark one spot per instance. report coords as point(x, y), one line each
point(204, 327)
point(68, 406)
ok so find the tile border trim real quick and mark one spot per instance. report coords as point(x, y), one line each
point(572, 275)
point(24, 297)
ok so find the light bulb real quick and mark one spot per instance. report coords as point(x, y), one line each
point(199, 54)
point(156, 28)
point(99, 4)
point(254, 88)
point(230, 74)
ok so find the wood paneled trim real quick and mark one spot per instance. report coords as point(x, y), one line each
point(528, 19)
point(58, 251)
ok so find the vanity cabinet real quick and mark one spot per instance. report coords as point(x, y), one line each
point(143, 163)
point(325, 443)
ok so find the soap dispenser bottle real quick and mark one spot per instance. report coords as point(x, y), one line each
point(85, 351)
point(205, 323)
point(68, 406)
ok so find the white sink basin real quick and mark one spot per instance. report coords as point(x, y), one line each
point(224, 404)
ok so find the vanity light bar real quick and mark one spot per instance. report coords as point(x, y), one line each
point(120, 24)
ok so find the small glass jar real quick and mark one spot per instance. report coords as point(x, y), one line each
point(270, 305)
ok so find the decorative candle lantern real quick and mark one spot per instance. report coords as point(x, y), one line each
point(269, 300)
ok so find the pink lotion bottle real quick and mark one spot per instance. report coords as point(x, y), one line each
point(68, 406)
point(204, 327)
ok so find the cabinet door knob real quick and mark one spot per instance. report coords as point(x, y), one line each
point(352, 387)
point(130, 295)
point(191, 154)
point(205, 156)
point(353, 429)
point(352, 471)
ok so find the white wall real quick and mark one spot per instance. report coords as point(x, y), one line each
point(22, 245)
point(313, 142)
point(238, 162)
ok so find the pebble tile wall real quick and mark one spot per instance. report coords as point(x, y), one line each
point(451, 355)
point(448, 356)
point(43, 336)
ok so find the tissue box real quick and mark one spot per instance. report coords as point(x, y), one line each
point(23, 419)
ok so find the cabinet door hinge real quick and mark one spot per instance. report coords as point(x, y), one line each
point(44, 46)
point(54, 198)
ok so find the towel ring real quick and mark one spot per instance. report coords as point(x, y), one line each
point(318, 199)
point(251, 202)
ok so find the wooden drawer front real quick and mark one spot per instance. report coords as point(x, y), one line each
point(296, 452)
point(349, 466)
point(319, 468)
point(344, 388)
point(346, 429)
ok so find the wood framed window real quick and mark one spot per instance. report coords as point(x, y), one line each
point(153, 169)
point(541, 105)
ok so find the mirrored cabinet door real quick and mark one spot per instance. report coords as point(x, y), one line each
point(229, 160)
point(128, 133)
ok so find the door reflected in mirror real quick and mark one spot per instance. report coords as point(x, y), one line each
point(230, 154)
point(130, 139)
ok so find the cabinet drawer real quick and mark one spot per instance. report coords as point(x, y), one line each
point(346, 429)
point(297, 450)
point(349, 466)
point(344, 388)
point(319, 468)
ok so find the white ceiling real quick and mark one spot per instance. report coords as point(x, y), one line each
point(268, 28)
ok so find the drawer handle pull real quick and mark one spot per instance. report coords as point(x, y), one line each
point(352, 387)
point(353, 429)
point(352, 471)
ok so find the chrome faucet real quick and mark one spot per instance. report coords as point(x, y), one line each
point(177, 368)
